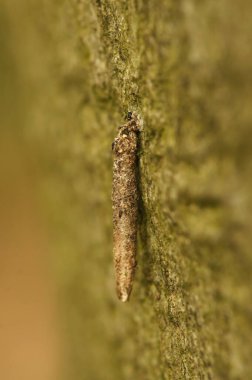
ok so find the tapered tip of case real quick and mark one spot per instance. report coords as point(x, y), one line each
point(124, 297)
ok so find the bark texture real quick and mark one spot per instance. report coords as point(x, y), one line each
point(185, 67)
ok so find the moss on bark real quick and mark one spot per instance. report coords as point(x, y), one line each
point(184, 66)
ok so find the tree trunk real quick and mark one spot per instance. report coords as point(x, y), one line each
point(73, 69)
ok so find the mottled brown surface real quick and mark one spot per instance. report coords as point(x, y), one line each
point(125, 207)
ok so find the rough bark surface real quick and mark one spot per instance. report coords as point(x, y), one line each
point(184, 67)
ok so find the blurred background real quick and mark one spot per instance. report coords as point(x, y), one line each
point(69, 70)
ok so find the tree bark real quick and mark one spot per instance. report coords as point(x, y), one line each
point(184, 68)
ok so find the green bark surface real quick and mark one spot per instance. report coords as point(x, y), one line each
point(77, 67)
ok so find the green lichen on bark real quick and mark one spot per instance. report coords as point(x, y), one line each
point(183, 67)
